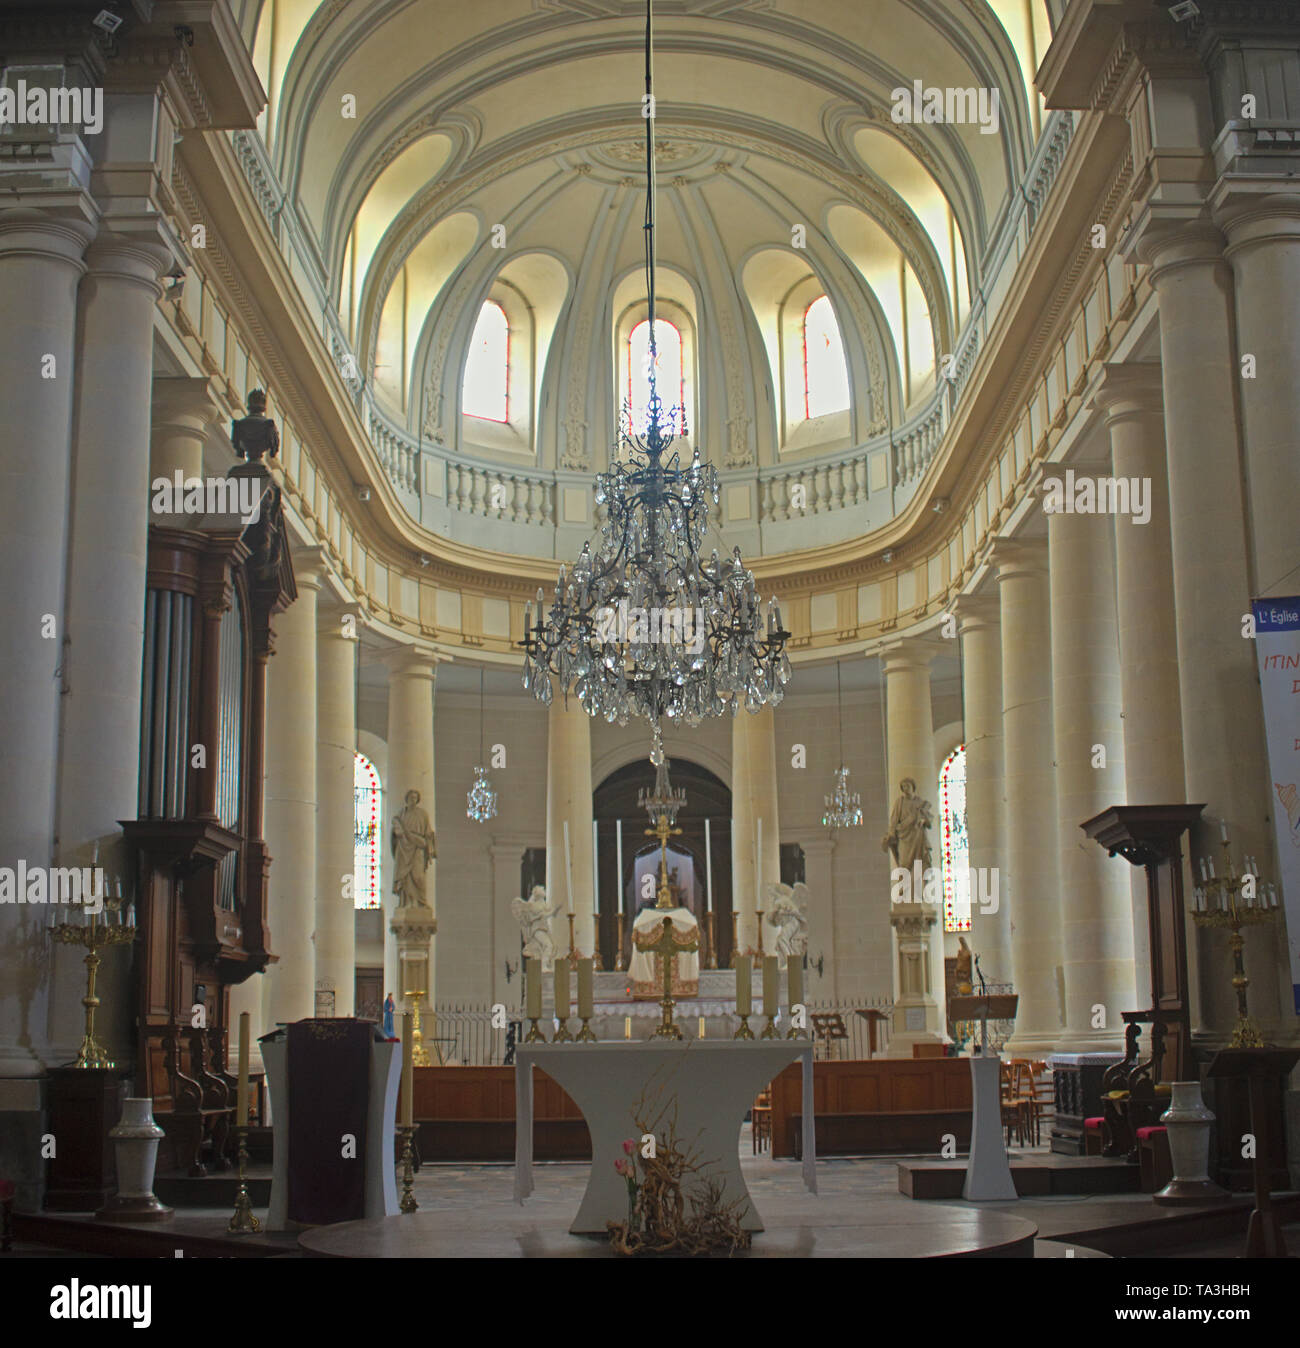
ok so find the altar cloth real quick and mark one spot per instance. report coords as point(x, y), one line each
point(714, 1082)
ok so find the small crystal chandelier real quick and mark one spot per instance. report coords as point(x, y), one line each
point(843, 807)
point(481, 798)
point(665, 800)
point(642, 627)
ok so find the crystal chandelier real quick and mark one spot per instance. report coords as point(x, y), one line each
point(665, 800)
point(642, 627)
point(481, 798)
point(843, 807)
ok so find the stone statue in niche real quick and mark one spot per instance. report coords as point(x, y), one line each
point(534, 917)
point(907, 841)
point(788, 913)
point(255, 435)
point(414, 847)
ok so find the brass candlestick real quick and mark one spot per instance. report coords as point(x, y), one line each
point(1221, 896)
point(770, 1030)
point(408, 1203)
point(419, 1054)
point(759, 914)
point(744, 1032)
point(242, 1221)
point(562, 1035)
point(571, 945)
point(711, 921)
point(585, 1035)
point(94, 937)
point(534, 1035)
point(619, 966)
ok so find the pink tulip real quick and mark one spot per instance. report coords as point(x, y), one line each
point(629, 1147)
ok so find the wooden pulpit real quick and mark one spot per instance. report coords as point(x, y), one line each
point(1150, 836)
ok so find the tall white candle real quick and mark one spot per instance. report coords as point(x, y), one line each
point(568, 865)
point(1223, 829)
point(533, 987)
point(744, 973)
point(241, 1090)
point(758, 873)
point(708, 865)
point(561, 988)
point(595, 887)
point(771, 985)
point(585, 989)
point(621, 906)
point(408, 1069)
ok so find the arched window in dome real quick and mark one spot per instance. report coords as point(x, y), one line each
point(670, 376)
point(368, 852)
point(486, 391)
point(825, 372)
point(954, 843)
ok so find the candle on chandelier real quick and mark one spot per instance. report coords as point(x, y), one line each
point(1223, 829)
point(1204, 877)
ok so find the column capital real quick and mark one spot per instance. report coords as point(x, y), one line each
point(330, 616)
point(189, 404)
point(975, 612)
point(309, 567)
point(1015, 557)
point(1171, 239)
point(135, 257)
point(904, 653)
point(413, 662)
point(1129, 389)
point(61, 235)
point(1252, 211)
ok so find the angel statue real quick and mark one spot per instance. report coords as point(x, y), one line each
point(534, 917)
point(787, 911)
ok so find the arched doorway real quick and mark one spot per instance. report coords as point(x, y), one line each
point(707, 798)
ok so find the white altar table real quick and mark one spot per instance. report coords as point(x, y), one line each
point(714, 1081)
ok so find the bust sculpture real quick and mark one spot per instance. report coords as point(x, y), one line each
point(906, 840)
point(414, 847)
point(255, 435)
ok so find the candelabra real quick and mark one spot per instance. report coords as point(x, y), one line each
point(94, 936)
point(744, 1032)
point(407, 1202)
point(1232, 902)
point(242, 1221)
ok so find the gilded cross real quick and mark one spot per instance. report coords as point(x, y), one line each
point(669, 948)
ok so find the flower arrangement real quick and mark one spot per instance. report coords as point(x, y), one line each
point(661, 1219)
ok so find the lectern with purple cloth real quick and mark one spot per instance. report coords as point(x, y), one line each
point(333, 1090)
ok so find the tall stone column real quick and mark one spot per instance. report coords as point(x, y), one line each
point(336, 741)
point(410, 930)
point(1029, 880)
point(980, 633)
point(1263, 235)
point(568, 799)
point(753, 797)
point(909, 750)
point(99, 738)
point(1093, 891)
point(184, 411)
point(1224, 756)
point(1131, 399)
point(40, 265)
point(290, 799)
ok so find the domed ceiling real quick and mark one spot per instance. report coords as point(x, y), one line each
point(438, 154)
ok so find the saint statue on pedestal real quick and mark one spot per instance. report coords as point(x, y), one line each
point(906, 840)
point(414, 847)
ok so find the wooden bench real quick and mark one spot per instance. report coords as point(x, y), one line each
point(198, 1110)
point(895, 1131)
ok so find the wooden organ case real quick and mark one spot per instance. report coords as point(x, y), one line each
point(202, 864)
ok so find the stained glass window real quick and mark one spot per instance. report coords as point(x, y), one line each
point(368, 852)
point(825, 375)
point(487, 368)
point(669, 375)
point(954, 841)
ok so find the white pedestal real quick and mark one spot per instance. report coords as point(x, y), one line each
point(988, 1173)
point(381, 1127)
